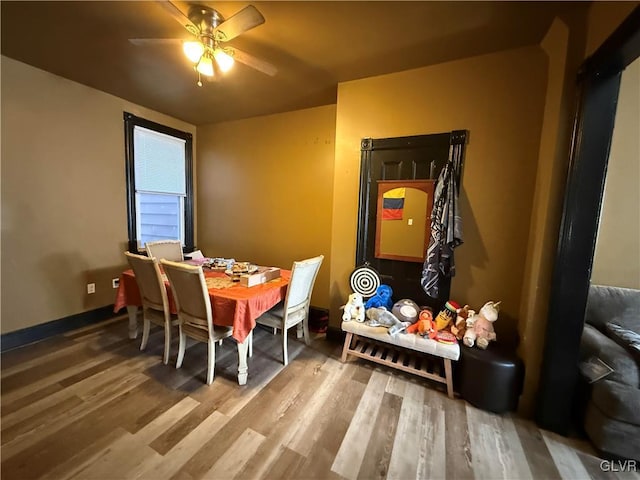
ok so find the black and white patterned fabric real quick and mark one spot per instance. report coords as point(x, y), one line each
point(446, 226)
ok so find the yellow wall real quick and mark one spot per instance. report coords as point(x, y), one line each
point(499, 98)
point(64, 215)
point(547, 205)
point(617, 256)
point(265, 188)
point(604, 18)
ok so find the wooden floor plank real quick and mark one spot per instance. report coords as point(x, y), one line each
point(282, 467)
point(535, 448)
point(375, 463)
point(63, 470)
point(406, 449)
point(183, 451)
point(11, 360)
point(565, 458)
point(457, 441)
point(98, 450)
point(301, 433)
point(496, 450)
point(432, 460)
point(56, 425)
point(117, 412)
point(349, 457)
point(238, 454)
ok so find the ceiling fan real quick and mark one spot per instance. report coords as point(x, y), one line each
point(208, 50)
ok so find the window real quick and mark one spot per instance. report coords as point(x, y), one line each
point(159, 183)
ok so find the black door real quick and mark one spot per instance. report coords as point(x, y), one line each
point(399, 158)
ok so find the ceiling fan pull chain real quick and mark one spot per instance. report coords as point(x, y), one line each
point(199, 80)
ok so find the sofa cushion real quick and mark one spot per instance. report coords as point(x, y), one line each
point(625, 368)
point(611, 436)
point(606, 304)
point(617, 401)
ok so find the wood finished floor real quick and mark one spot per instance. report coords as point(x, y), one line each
point(90, 405)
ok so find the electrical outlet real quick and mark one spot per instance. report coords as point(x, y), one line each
point(91, 288)
point(115, 282)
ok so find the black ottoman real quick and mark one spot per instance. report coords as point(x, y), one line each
point(490, 379)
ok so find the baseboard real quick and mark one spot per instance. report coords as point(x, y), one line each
point(19, 338)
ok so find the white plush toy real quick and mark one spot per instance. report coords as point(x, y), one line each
point(480, 327)
point(354, 309)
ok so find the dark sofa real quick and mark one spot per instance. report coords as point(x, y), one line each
point(612, 334)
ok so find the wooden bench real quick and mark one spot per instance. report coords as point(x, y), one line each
point(404, 351)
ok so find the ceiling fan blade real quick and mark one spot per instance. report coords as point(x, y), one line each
point(253, 62)
point(155, 41)
point(178, 16)
point(246, 19)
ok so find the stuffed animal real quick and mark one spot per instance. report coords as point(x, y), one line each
point(382, 298)
point(381, 317)
point(425, 324)
point(446, 315)
point(480, 327)
point(354, 309)
point(406, 310)
point(460, 325)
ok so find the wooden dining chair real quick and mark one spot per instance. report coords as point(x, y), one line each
point(191, 296)
point(167, 249)
point(295, 307)
point(155, 302)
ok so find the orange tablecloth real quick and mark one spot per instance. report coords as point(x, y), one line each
point(235, 306)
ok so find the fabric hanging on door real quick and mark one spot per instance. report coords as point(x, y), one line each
point(446, 226)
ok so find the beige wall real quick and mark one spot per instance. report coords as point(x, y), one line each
point(265, 188)
point(499, 98)
point(617, 256)
point(64, 216)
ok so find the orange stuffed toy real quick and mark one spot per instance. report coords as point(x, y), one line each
point(425, 324)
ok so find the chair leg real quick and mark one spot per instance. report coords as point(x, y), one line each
point(251, 344)
point(167, 341)
point(299, 331)
point(212, 361)
point(146, 326)
point(183, 340)
point(284, 346)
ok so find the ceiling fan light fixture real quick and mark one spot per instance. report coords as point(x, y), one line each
point(193, 51)
point(223, 59)
point(205, 66)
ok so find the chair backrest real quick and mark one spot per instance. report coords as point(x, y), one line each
point(167, 249)
point(190, 293)
point(303, 276)
point(150, 283)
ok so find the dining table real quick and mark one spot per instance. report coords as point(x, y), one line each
point(233, 305)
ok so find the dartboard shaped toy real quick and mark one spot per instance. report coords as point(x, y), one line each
point(365, 281)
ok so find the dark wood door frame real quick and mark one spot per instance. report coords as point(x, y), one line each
point(403, 277)
point(599, 84)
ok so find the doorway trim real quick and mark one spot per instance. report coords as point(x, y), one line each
point(599, 84)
